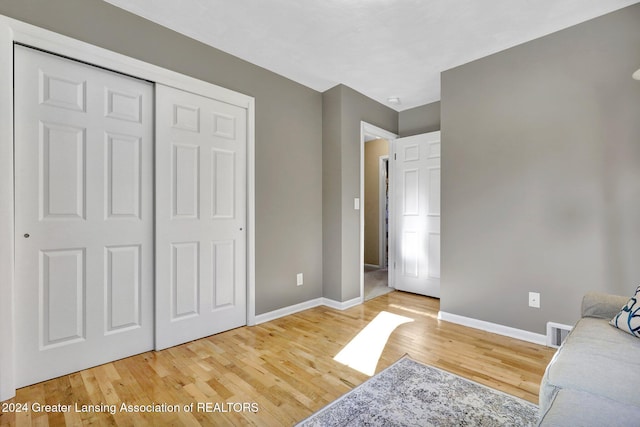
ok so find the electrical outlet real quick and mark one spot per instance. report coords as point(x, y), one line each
point(299, 279)
point(534, 299)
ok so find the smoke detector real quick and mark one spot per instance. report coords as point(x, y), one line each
point(394, 100)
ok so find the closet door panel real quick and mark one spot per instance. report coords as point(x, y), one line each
point(84, 216)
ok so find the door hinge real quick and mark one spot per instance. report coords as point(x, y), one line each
point(395, 156)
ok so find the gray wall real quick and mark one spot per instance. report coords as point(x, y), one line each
point(417, 120)
point(344, 109)
point(288, 134)
point(541, 174)
point(332, 192)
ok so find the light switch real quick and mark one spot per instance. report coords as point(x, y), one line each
point(356, 204)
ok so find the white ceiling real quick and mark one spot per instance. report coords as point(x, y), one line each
point(381, 48)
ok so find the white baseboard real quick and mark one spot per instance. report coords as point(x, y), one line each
point(442, 315)
point(342, 305)
point(292, 309)
point(494, 328)
point(285, 311)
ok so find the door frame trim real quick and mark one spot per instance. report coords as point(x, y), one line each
point(367, 129)
point(382, 209)
point(13, 31)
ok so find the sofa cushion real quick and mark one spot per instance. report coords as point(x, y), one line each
point(604, 306)
point(572, 408)
point(597, 359)
point(628, 319)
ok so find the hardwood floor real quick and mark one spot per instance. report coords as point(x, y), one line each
point(276, 373)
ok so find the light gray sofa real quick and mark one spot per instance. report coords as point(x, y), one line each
point(594, 378)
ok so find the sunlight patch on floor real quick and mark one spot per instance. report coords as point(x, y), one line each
point(410, 310)
point(364, 350)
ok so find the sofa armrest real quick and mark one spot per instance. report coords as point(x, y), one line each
point(601, 305)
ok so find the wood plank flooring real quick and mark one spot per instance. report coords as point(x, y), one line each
point(276, 373)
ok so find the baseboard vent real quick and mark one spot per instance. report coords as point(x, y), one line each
point(556, 333)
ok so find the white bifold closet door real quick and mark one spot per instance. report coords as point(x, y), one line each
point(84, 216)
point(201, 154)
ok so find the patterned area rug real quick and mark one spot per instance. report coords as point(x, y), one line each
point(409, 393)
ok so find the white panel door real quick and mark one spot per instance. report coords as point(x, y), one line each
point(417, 214)
point(200, 216)
point(84, 216)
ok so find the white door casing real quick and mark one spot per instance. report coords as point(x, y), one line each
point(369, 130)
point(84, 216)
point(417, 214)
point(201, 216)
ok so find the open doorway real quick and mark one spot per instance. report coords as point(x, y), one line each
point(375, 194)
point(376, 217)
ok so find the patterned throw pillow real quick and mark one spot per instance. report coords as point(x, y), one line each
point(628, 319)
